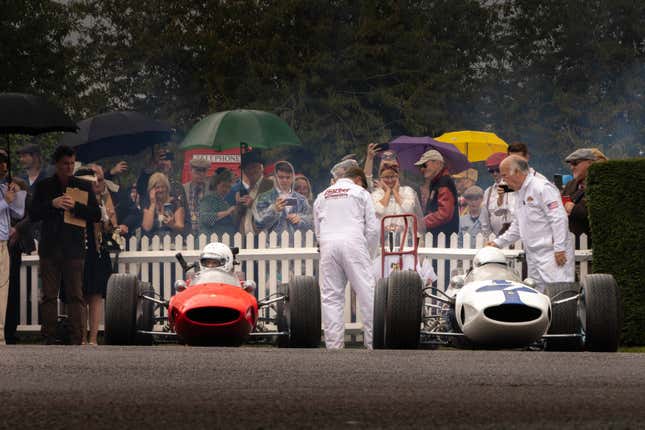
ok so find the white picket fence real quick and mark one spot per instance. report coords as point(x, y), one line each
point(262, 258)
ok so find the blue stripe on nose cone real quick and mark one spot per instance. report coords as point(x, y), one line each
point(511, 293)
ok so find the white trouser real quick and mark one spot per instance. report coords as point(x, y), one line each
point(4, 286)
point(340, 262)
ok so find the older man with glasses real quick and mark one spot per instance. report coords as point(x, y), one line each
point(498, 201)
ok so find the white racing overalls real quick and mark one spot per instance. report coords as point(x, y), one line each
point(541, 222)
point(348, 231)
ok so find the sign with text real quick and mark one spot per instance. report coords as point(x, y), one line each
point(229, 158)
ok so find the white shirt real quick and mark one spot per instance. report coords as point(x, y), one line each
point(344, 212)
point(493, 215)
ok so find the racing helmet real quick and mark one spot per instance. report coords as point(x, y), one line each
point(216, 255)
point(489, 254)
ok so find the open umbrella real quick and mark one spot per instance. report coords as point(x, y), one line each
point(235, 128)
point(477, 145)
point(116, 133)
point(410, 148)
point(22, 113)
point(29, 114)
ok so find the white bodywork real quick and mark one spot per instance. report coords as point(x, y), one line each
point(495, 308)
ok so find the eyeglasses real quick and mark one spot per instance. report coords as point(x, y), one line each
point(200, 169)
point(574, 163)
point(494, 170)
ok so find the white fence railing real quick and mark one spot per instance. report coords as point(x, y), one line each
point(263, 259)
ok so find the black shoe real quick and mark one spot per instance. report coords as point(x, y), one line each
point(50, 341)
point(11, 340)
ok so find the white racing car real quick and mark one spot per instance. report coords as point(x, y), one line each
point(490, 307)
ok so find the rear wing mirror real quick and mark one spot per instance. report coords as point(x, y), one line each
point(182, 262)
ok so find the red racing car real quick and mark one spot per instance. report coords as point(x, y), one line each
point(212, 307)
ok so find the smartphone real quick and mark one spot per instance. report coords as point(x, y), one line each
point(243, 191)
point(383, 146)
point(290, 201)
point(168, 209)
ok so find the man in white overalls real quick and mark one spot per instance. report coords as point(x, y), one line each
point(541, 223)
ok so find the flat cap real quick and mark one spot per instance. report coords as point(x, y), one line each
point(495, 159)
point(581, 154)
point(200, 163)
point(30, 148)
point(429, 155)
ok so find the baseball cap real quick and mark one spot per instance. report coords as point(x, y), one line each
point(429, 155)
point(495, 159)
point(581, 154)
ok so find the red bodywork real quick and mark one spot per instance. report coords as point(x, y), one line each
point(213, 314)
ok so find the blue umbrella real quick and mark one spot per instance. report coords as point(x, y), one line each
point(410, 148)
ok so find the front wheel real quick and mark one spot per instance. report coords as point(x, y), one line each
point(599, 311)
point(302, 312)
point(121, 309)
point(404, 306)
point(564, 318)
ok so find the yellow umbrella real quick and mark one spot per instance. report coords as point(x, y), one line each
point(477, 145)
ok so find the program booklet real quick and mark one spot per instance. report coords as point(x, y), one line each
point(79, 196)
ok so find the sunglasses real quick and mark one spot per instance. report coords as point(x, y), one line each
point(493, 170)
point(574, 162)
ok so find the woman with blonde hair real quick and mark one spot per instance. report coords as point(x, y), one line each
point(162, 215)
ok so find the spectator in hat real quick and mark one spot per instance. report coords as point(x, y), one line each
point(575, 202)
point(498, 203)
point(463, 181)
point(441, 214)
point(164, 164)
point(196, 189)
point(215, 213)
point(339, 169)
point(521, 150)
point(246, 189)
point(470, 222)
point(32, 163)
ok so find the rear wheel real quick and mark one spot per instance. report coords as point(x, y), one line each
point(303, 312)
point(403, 313)
point(564, 318)
point(599, 310)
point(380, 305)
point(121, 309)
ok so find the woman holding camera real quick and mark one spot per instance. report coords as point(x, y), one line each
point(215, 213)
point(163, 215)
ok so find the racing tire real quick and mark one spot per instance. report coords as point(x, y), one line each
point(303, 312)
point(564, 317)
point(121, 309)
point(403, 312)
point(600, 312)
point(145, 315)
point(380, 306)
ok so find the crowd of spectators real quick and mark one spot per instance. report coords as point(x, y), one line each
point(157, 204)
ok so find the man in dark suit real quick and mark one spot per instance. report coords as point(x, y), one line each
point(62, 245)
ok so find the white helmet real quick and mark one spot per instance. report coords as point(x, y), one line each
point(489, 254)
point(217, 255)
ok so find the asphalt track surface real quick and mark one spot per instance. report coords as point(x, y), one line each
point(174, 387)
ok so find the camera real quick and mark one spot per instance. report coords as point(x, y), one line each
point(243, 191)
point(290, 201)
point(505, 187)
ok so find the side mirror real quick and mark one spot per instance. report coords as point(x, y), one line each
point(457, 281)
point(249, 286)
point(180, 285)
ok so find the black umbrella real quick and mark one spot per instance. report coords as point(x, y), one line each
point(29, 114)
point(116, 133)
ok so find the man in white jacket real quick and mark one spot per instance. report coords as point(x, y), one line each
point(348, 231)
point(541, 223)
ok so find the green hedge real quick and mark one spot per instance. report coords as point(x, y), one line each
point(616, 202)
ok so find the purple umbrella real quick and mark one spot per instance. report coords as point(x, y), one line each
point(410, 148)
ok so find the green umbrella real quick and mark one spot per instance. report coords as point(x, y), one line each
point(231, 129)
